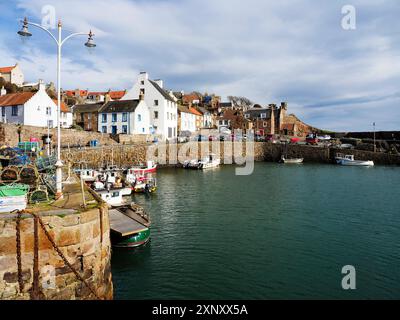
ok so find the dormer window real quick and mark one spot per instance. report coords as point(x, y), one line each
point(263, 115)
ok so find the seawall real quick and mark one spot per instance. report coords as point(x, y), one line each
point(171, 154)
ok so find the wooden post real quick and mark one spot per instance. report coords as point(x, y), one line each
point(83, 192)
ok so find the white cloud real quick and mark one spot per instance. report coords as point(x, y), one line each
point(267, 50)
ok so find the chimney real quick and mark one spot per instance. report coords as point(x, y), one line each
point(143, 76)
point(107, 97)
point(3, 92)
point(41, 86)
point(284, 105)
point(160, 83)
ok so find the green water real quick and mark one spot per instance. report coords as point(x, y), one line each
point(284, 232)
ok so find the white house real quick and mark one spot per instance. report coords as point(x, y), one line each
point(207, 117)
point(162, 105)
point(28, 108)
point(12, 74)
point(124, 116)
point(187, 119)
point(66, 118)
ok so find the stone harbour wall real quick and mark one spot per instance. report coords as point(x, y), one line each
point(229, 152)
point(72, 137)
point(84, 240)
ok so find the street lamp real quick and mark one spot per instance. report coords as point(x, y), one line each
point(24, 32)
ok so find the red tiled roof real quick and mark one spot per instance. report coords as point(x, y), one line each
point(94, 93)
point(116, 95)
point(15, 99)
point(64, 107)
point(188, 98)
point(71, 93)
point(6, 69)
point(194, 111)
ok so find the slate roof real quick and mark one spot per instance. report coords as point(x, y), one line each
point(120, 106)
point(164, 93)
point(87, 108)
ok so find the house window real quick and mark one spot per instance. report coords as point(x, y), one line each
point(263, 115)
point(82, 117)
point(48, 111)
point(155, 114)
point(247, 116)
point(124, 117)
point(143, 130)
point(104, 118)
point(221, 122)
point(50, 123)
point(265, 124)
point(156, 102)
point(114, 117)
point(3, 111)
point(169, 132)
point(142, 82)
point(104, 129)
point(142, 91)
point(124, 129)
point(139, 117)
point(14, 111)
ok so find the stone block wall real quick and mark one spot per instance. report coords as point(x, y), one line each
point(84, 240)
point(9, 135)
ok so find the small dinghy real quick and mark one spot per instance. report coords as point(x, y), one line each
point(292, 160)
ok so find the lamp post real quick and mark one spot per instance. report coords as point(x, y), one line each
point(24, 32)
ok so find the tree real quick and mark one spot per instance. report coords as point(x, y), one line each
point(240, 102)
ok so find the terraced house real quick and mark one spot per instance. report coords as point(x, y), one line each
point(124, 117)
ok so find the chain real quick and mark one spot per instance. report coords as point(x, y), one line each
point(19, 264)
point(64, 258)
point(35, 294)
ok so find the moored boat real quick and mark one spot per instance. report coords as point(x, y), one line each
point(13, 197)
point(130, 226)
point(145, 185)
point(151, 167)
point(348, 160)
point(210, 161)
point(291, 160)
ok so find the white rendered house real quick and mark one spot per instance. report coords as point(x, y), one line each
point(162, 105)
point(13, 74)
point(187, 119)
point(28, 108)
point(124, 117)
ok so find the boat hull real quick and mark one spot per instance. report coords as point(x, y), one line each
point(357, 163)
point(8, 204)
point(131, 241)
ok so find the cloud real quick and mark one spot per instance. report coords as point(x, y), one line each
point(269, 51)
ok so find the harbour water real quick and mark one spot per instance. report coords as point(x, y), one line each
point(284, 232)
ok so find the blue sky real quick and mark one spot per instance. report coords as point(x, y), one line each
point(268, 51)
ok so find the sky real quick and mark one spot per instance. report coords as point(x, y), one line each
point(268, 51)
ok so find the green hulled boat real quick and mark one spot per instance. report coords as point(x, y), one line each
point(13, 197)
point(130, 226)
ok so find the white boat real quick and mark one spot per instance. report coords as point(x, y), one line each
point(13, 197)
point(88, 175)
point(151, 167)
point(210, 161)
point(292, 160)
point(348, 160)
point(114, 197)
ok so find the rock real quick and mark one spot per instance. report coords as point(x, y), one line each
point(8, 245)
point(68, 236)
point(12, 277)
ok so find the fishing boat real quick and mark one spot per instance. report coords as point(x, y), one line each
point(146, 184)
point(291, 160)
point(88, 175)
point(130, 226)
point(13, 197)
point(151, 167)
point(348, 160)
point(210, 161)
